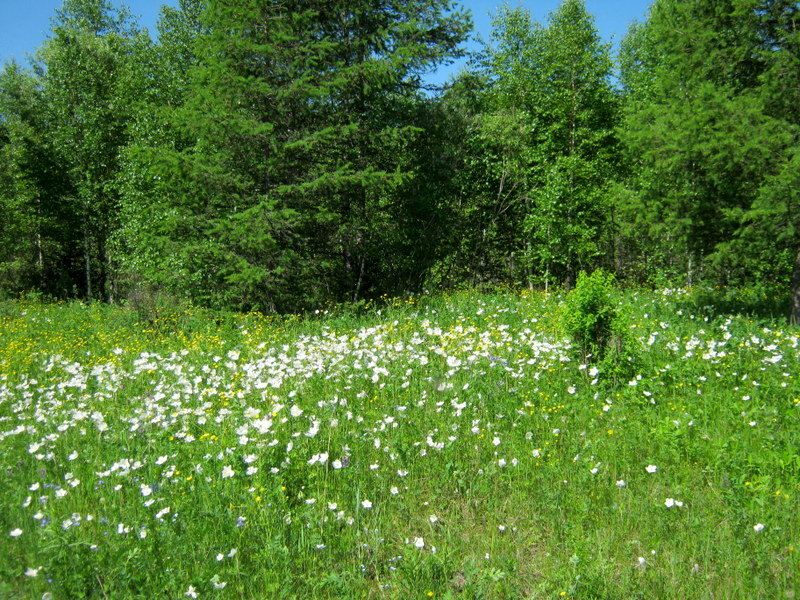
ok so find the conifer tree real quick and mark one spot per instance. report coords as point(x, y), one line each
point(293, 143)
point(709, 142)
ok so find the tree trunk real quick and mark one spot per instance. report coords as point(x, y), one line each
point(103, 271)
point(87, 263)
point(569, 279)
point(794, 317)
point(39, 259)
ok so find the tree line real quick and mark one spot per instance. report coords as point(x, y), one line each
point(276, 155)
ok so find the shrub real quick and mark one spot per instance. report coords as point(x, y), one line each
point(157, 309)
point(598, 328)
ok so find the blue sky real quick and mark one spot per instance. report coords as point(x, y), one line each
point(24, 24)
point(612, 18)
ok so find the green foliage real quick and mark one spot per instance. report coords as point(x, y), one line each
point(710, 139)
point(156, 308)
point(88, 94)
point(37, 229)
point(590, 313)
point(548, 140)
point(235, 165)
point(765, 300)
point(287, 186)
point(597, 325)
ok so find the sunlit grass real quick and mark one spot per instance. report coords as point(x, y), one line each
point(446, 446)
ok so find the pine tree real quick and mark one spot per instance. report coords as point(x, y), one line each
point(772, 225)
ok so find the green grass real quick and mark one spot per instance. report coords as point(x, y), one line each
point(434, 447)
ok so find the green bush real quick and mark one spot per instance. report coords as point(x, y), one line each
point(156, 308)
point(598, 328)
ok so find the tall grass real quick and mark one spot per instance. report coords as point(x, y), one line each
point(442, 447)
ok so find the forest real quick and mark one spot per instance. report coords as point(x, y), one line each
point(258, 155)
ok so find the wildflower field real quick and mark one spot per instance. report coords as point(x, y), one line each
point(443, 447)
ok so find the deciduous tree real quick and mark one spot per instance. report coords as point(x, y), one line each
point(85, 66)
point(552, 110)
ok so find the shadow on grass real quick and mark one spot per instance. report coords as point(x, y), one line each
point(757, 302)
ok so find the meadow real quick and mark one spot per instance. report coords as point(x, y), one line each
point(428, 447)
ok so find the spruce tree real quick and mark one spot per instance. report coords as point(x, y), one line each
point(293, 135)
point(710, 141)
